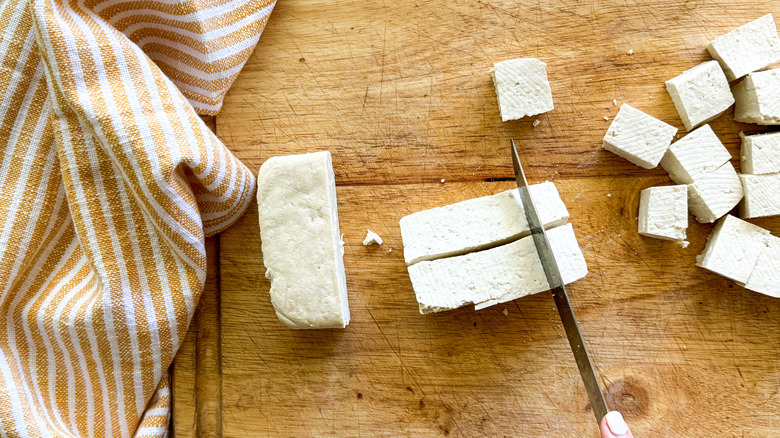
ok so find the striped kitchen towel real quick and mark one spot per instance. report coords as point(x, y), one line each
point(108, 185)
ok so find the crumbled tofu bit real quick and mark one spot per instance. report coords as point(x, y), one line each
point(748, 48)
point(505, 312)
point(606, 118)
point(372, 238)
point(733, 248)
point(714, 194)
point(762, 195)
point(760, 153)
point(695, 155)
point(663, 212)
point(614, 102)
point(631, 51)
point(757, 96)
point(390, 250)
point(638, 137)
point(765, 277)
point(700, 94)
point(609, 195)
point(683, 243)
point(522, 88)
point(442, 180)
point(536, 123)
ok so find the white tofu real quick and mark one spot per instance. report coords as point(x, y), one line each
point(760, 153)
point(700, 94)
point(301, 243)
point(495, 275)
point(733, 248)
point(758, 98)
point(748, 48)
point(663, 212)
point(638, 137)
point(477, 223)
point(714, 194)
point(372, 238)
point(762, 195)
point(765, 277)
point(522, 88)
point(694, 156)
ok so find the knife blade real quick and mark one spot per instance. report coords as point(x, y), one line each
point(558, 289)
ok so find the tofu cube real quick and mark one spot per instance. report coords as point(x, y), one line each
point(715, 194)
point(700, 94)
point(522, 88)
point(765, 277)
point(638, 137)
point(748, 48)
point(733, 248)
point(758, 98)
point(762, 195)
point(760, 153)
point(663, 212)
point(694, 156)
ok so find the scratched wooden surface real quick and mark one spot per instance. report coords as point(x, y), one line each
point(400, 93)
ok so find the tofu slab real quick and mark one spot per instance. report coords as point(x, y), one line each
point(760, 153)
point(477, 223)
point(638, 137)
point(522, 88)
point(301, 243)
point(758, 98)
point(715, 194)
point(495, 275)
point(700, 94)
point(733, 248)
point(748, 48)
point(762, 195)
point(765, 277)
point(695, 155)
point(663, 212)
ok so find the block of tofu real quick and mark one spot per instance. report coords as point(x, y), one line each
point(495, 275)
point(748, 48)
point(663, 212)
point(733, 248)
point(765, 277)
point(715, 194)
point(638, 137)
point(301, 243)
point(760, 153)
point(695, 155)
point(700, 94)
point(762, 195)
point(477, 223)
point(522, 88)
point(758, 98)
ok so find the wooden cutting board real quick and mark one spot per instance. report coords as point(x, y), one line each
point(399, 92)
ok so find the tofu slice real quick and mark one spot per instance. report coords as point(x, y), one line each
point(301, 243)
point(762, 195)
point(715, 194)
point(700, 94)
point(495, 275)
point(760, 153)
point(765, 277)
point(663, 212)
point(477, 223)
point(638, 137)
point(695, 155)
point(733, 248)
point(758, 98)
point(748, 48)
point(522, 88)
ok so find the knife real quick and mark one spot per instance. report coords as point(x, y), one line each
point(558, 289)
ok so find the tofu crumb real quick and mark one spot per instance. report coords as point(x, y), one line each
point(614, 102)
point(536, 123)
point(442, 180)
point(390, 250)
point(606, 118)
point(631, 52)
point(505, 312)
point(609, 195)
point(683, 243)
point(372, 238)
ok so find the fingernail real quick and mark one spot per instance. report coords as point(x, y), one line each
point(617, 425)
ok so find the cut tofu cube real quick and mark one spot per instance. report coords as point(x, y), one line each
point(638, 137)
point(694, 156)
point(762, 195)
point(760, 153)
point(477, 223)
point(495, 275)
point(733, 248)
point(748, 48)
point(301, 243)
point(714, 194)
point(522, 88)
point(663, 212)
point(758, 98)
point(765, 277)
point(700, 94)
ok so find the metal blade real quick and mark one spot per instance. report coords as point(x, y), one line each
point(587, 372)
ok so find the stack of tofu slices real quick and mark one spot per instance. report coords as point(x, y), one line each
point(707, 184)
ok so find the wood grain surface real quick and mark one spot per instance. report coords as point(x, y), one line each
point(399, 92)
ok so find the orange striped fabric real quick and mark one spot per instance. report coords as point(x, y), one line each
point(109, 183)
